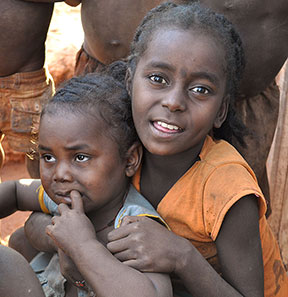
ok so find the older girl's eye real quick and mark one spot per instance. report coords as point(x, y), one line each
point(201, 90)
point(82, 158)
point(157, 79)
point(48, 158)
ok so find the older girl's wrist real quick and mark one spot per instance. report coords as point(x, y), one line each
point(186, 249)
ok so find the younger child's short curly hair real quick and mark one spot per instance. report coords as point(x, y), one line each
point(101, 94)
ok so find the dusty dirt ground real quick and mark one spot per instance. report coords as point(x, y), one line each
point(64, 38)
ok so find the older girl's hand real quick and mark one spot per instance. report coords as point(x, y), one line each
point(146, 245)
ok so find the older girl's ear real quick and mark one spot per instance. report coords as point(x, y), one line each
point(222, 112)
point(134, 157)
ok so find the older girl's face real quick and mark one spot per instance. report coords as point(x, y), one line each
point(177, 91)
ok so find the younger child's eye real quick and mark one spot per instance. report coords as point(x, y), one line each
point(82, 158)
point(201, 90)
point(48, 158)
point(157, 79)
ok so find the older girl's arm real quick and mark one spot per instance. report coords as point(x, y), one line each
point(145, 245)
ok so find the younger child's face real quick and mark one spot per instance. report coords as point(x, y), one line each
point(77, 154)
point(177, 91)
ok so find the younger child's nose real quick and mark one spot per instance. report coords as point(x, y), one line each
point(62, 172)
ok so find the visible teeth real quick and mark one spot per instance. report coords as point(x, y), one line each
point(168, 126)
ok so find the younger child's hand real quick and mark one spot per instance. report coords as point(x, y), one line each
point(72, 227)
point(146, 245)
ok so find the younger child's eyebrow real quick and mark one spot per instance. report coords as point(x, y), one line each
point(43, 148)
point(69, 148)
point(77, 147)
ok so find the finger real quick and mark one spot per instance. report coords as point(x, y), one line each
point(77, 202)
point(125, 255)
point(119, 233)
point(136, 264)
point(118, 246)
point(48, 230)
point(129, 220)
point(54, 220)
point(62, 207)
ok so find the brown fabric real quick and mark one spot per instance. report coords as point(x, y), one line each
point(22, 97)
point(259, 114)
point(86, 64)
point(278, 170)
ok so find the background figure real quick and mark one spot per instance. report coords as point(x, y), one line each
point(108, 27)
point(263, 28)
point(25, 85)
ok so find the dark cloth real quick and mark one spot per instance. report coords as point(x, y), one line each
point(86, 64)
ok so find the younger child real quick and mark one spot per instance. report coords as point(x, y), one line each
point(88, 151)
point(184, 68)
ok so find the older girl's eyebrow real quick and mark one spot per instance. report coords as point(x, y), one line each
point(206, 75)
point(201, 74)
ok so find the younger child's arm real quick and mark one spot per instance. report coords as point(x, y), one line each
point(19, 195)
point(35, 232)
point(74, 233)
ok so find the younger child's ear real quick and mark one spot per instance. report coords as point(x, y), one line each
point(134, 157)
point(222, 112)
point(128, 80)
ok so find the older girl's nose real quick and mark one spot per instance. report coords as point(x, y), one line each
point(175, 100)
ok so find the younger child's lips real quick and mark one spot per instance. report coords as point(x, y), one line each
point(63, 197)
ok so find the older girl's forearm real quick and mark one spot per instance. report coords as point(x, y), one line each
point(109, 277)
point(35, 228)
point(197, 274)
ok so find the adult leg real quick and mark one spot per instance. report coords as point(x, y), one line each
point(16, 276)
point(19, 242)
